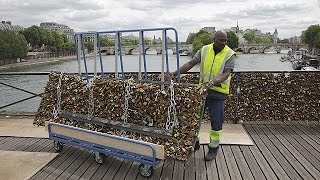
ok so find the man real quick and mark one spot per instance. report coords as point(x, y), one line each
point(216, 64)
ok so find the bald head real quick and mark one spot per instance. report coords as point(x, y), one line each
point(220, 40)
point(220, 34)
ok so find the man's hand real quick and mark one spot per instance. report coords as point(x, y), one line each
point(204, 87)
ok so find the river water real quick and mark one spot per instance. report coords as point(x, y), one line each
point(36, 84)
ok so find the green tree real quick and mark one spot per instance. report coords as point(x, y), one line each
point(233, 40)
point(12, 45)
point(310, 36)
point(89, 45)
point(199, 39)
point(249, 37)
point(32, 35)
point(317, 41)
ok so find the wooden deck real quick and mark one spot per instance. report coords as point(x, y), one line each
point(280, 152)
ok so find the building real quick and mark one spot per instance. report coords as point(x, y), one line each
point(60, 28)
point(7, 25)
point(257, 34)
point(295, 40)
point(210, 30)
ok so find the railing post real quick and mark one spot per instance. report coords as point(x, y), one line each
point(79, 40)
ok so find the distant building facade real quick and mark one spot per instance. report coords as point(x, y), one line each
point(257, 33)
point(211, 30)
point(7, 25)
point(60, 28)
point(295, 39)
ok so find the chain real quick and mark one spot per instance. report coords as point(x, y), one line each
point(171, 121)
point(91, 99)
point(127, 96)
point(57, 109)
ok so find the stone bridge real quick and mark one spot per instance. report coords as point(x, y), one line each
point(129, 50)
point(249, 48)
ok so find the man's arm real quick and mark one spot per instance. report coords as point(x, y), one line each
point(186, 67)
point(219, 79)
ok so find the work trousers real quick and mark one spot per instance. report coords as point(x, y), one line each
point(216, 113)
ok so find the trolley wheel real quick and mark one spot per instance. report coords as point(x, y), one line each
point(100, 157)
point(146, 170)
point(197, 145)
point(58, 146)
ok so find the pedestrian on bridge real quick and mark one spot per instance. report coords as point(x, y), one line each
point(216, 64)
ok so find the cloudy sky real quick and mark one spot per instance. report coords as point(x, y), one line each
point(290, 17)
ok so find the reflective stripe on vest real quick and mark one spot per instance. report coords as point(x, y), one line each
point(213, 64)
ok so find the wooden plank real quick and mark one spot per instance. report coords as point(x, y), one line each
point(90, 171)
point(167, 169)
point(11, 144)
point(311, 154)
point(285, 164)
point(112, 171)
point(310, 133)
point(30, 143)
point(83, 167)
point(222, 166)
point(305, 141)
point(20, 143)
point(53, 165)
point(108, 140)
point(41, 144)
point(265, 167)
point(75, 165)
point(133, 171)
point(272, 161)
point(190, 170)
point(231, 163)
point(157, 171)
point(123, 170)
point(63, 166)
point(178, 170)
point(253, 164)
point(301, 165)
point(200, 164)
point(242, 164)
point(101, 171)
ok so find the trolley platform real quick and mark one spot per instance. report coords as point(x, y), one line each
point(147, 154)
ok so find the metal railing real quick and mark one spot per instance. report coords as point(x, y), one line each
point(118, 51)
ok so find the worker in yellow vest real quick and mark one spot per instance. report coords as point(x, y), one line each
point(216, 64)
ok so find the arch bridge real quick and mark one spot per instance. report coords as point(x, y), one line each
point(129, 50)
point(261, 48)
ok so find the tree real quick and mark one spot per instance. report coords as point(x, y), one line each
point(249, 37)
point(199, 39)
point(310, 36)
point(32, 35)
point(317, 41)
point(233, 40)
point(12, 45)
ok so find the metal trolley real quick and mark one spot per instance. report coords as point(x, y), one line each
point(147, 154)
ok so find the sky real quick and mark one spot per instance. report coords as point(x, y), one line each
point(289, 17)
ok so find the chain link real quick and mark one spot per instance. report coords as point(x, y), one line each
point(127, 97)
point(91, 99)
point(57, 109)
point(171, 121)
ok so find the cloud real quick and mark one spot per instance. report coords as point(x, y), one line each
point(289, 17)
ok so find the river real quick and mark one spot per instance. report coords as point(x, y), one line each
point(36, 84)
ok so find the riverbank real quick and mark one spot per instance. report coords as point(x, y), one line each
point(36, 62)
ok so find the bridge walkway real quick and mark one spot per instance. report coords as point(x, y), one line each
point(281, 151)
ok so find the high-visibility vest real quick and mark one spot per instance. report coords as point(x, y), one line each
point(213, 64)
